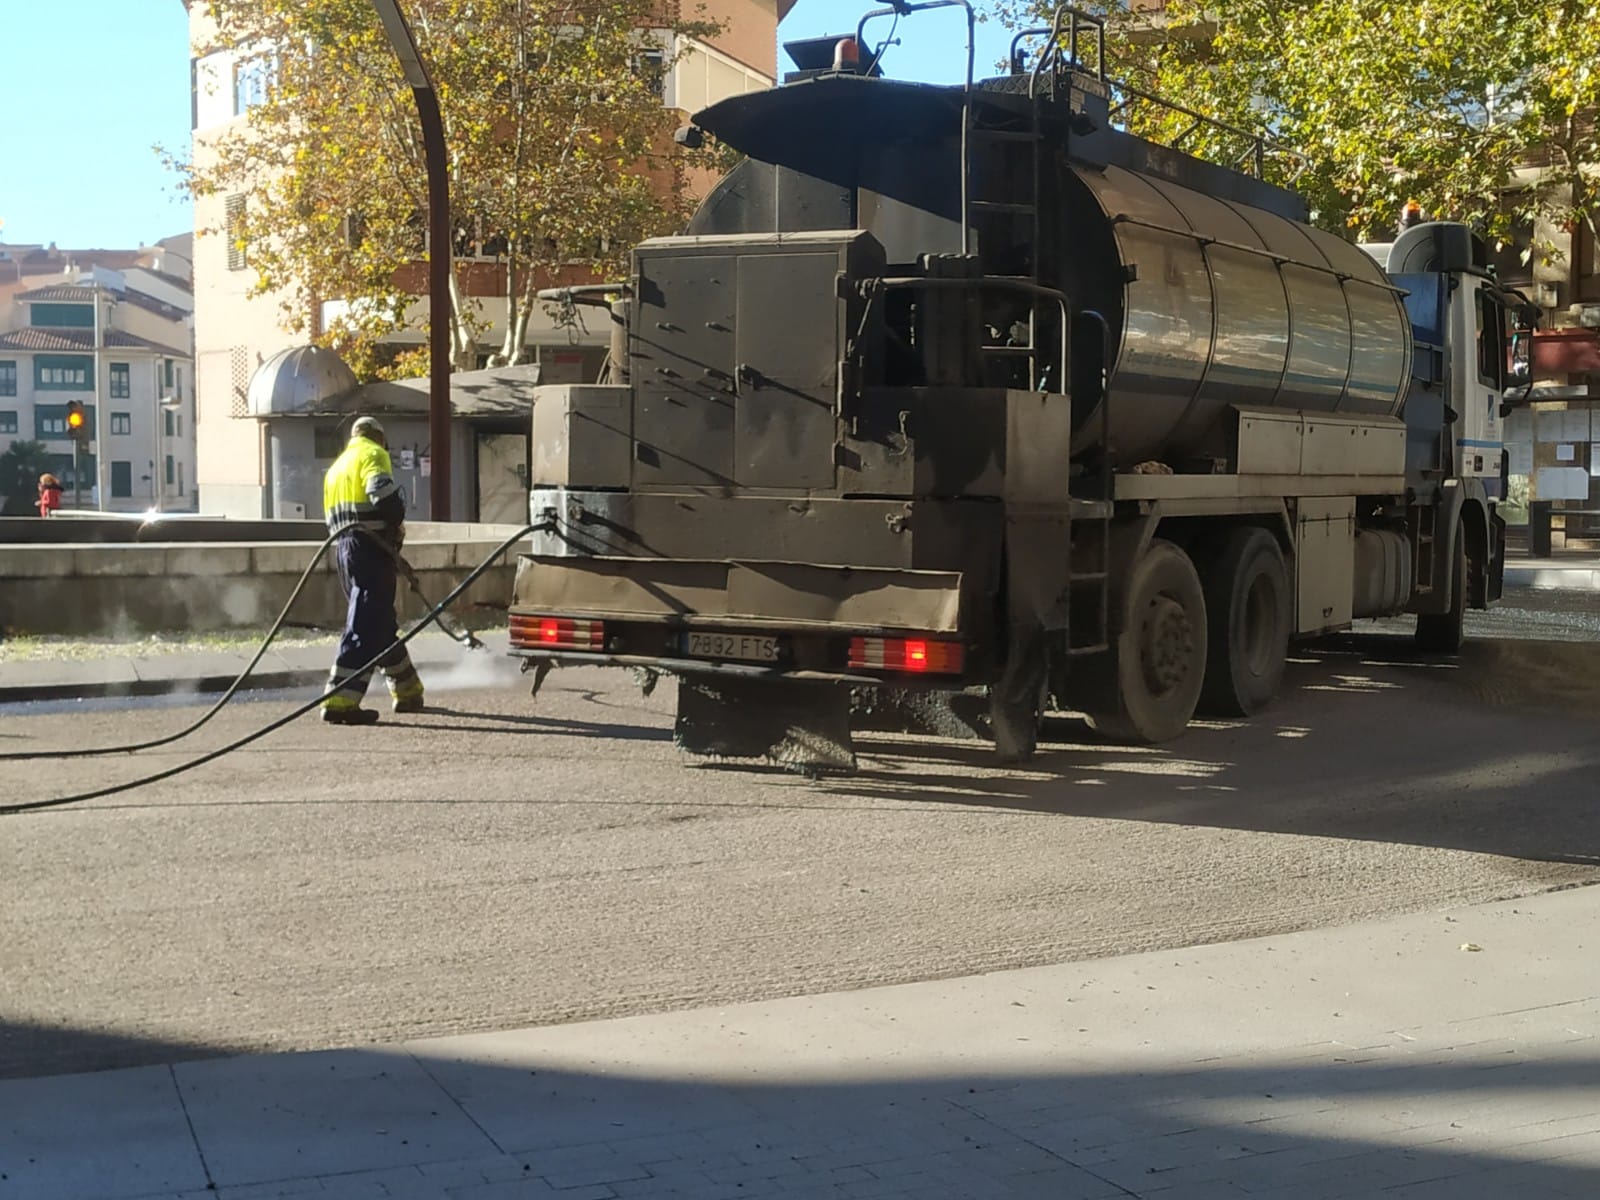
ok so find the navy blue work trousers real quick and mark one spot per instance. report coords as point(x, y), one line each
point(367, 572)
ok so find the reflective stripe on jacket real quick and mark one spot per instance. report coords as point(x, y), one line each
point(359, 489)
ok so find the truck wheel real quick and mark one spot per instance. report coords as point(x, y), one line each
point(1443, 633)
point(1160, 653)
point(1247, 624)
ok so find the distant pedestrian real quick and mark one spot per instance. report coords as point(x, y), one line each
point(49, 494)
point(365, 508)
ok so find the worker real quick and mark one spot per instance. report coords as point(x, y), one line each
point(366, 510)
point(49, 494)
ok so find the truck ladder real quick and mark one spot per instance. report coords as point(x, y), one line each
point(1011, 154)
point(1092, 516)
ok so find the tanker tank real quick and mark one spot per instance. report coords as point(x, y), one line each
point(1215, 289)
point(1217, 303)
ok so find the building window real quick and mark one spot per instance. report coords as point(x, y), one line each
point(651, 66)
point(121, 422)
point(121, 480)
point(62, 316)
point(8, 421)
point(180, 479)
point(233, 209)
point(63, 372)
point(326, 442)
point(61, 466)
point(121, 383)
point(8, 378)
point(50, 420)
point(251, 79)
point(169, 470)
point(166, 415)
point(166, 374)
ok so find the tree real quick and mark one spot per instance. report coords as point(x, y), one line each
point(558, 154)
point(20, 467)
point(1446, 104)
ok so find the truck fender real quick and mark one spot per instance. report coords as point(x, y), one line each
point(1463, 506)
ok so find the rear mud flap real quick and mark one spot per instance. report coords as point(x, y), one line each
point(903, 710)
point(799, 725)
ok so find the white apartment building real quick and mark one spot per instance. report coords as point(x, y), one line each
point(123, 353)
point(236, 333)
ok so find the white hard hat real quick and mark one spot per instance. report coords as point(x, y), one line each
point(369, 428)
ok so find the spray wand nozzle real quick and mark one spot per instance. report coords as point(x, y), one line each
point(456, 631)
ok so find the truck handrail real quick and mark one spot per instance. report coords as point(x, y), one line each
point(900, 8)
point(1259, 143)
point(1203, 240)
point(982, 281)
point(1051, 52)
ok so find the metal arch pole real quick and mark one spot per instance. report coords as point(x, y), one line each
point(438, 167)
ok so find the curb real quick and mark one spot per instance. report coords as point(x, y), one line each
point(201, 685)
point(1541, 579)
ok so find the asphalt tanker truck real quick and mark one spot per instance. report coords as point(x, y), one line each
point(966, 393)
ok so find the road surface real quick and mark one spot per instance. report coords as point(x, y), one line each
point(499, 862)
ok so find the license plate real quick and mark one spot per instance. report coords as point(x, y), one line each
point(748, 646)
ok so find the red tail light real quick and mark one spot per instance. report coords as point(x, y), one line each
point(916, 655)
point(557, 633)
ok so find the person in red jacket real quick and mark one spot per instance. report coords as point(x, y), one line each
point(49, 494)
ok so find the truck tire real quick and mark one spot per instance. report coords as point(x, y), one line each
point(1160, 655)
point(1248, 613)
point(1443, 633)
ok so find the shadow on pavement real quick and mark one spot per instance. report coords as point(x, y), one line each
point(1317, 1121)
point(1367, 741)
point(28, 1046)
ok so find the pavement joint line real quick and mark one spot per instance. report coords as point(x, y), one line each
point(1003, 1131)
point(456, 1100)
point(172, 1074)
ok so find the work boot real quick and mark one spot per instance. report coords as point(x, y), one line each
point(405, 686)
point(342, 710)
point(408, 699)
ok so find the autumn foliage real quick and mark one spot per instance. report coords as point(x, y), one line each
point(559, 145)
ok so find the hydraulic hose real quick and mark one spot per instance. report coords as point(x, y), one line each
point(277, 627)
point(272, 727)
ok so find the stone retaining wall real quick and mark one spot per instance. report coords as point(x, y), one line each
point(105, 590)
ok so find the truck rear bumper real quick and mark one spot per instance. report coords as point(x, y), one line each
point(782, 619)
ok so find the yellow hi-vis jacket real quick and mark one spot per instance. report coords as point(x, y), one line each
point(359, 490)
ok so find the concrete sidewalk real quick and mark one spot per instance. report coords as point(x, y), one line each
point(1441, 1055)
point(1576, 571)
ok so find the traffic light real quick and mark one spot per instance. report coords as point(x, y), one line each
point(77, 423)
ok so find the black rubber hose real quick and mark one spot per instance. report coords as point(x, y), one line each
point(277, 627)
point(239, 743)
